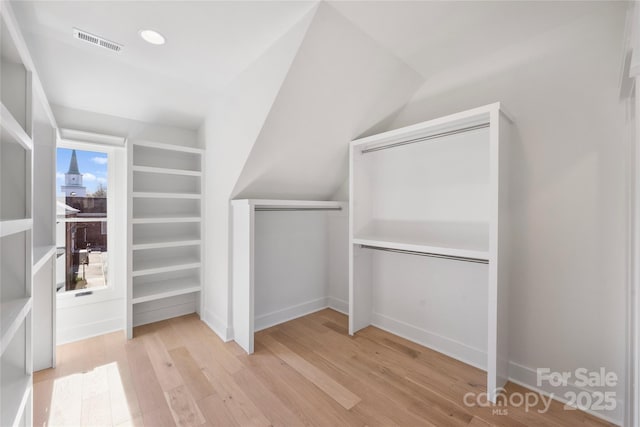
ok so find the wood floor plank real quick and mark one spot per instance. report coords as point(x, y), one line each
point(327, 384)
point(166, 371)
point(148, 390)
point(272, 407)
point(183, 407)
point(216, 412)
point(191, 373)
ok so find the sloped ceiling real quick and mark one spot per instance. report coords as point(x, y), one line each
point(340, 84)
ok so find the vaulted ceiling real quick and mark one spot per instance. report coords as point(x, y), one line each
point(210, 43)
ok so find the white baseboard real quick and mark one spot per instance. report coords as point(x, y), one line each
point(89, 330)
point(457, 350)
point(164, 313)
point(528, 378)
point(339, 305)
point(216, 324)
point(280, 316)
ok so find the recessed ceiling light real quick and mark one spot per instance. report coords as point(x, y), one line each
point(152, 37)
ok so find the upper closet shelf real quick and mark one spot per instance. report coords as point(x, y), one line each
point(270, 204)
point(467, 240)
point(11, 126)
point(170, 147)
point(167, 171)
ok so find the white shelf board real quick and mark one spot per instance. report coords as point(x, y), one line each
point(13, 128)
point(14, 226)
point(41, 255)
point(158, 244)
point(157, 195)
point(12, 314)
point(163, 289)
point(166, 171)
point(438, 250)
point(165, 219)
point(170, 147)
point(469, 240)
point(275, 204)
point(15, 394)
point(163, 265)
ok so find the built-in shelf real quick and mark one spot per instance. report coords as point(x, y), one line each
point(165, 220)
point(13, 128)
point(159, 244)
point(144, 292)
point(166, 171)
point(12, 314)
point(428, 249)
point(160, 265)
point(469, 240)
point(41, 255)
point(170, 147)
point(15, 395)
point(158, 195)
point(14, 226)
point(165, 236)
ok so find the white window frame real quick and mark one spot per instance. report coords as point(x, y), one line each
point(114, 289)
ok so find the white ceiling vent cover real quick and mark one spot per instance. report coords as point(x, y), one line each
point(96, 40)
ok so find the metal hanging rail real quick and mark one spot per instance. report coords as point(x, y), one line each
point(427, 138)
point(296, 209)
point(429, 254)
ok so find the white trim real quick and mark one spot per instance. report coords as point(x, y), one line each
point(455, 349)
point(165, 244)
point(273, 318)
point(217, 325)
point(165, 220)
point(341, 306)
point(89, 330)
point(163, 313)
point(91, 137)
point(154, 195)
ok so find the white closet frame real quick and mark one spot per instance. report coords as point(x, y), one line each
point(360, 287)
point(243, 261)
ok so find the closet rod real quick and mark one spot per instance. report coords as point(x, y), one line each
point(428, 254)
point(427, 138)
point(296, 209)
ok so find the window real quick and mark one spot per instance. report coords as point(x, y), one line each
point(81, 183)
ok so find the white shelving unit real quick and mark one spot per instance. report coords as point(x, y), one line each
point(284, 255)
point(165, 231)
point(429, 236)
point(16, 227)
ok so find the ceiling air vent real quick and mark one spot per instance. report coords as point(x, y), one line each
point(96, 40)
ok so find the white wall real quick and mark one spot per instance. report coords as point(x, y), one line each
point(229, 132)
point(569, 179)
point(104, 311)
point(299, 264)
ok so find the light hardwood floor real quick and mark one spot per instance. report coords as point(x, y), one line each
point(305, 372)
